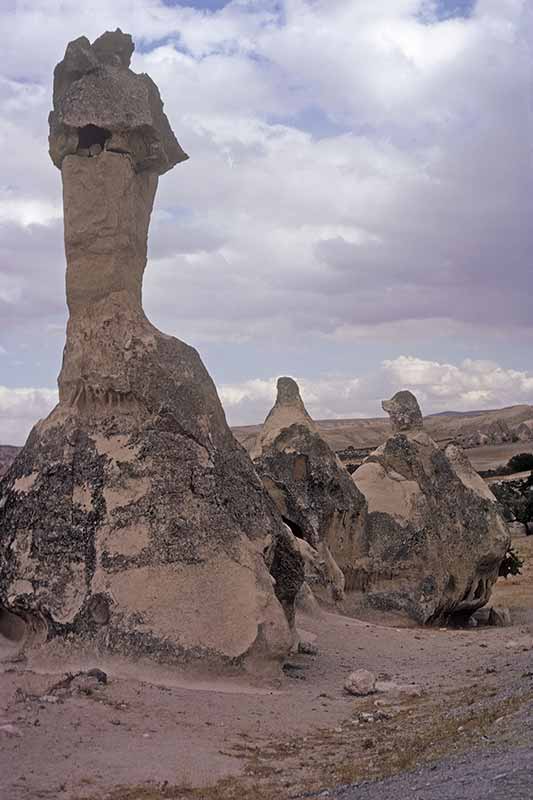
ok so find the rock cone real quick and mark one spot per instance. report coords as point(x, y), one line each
point(313, 492)
point(132, 517)
point(435, 538)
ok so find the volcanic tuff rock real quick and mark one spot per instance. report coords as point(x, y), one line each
point(132, 517)
point(7, 456)
point(313, 492)
point(99, 101)
point(434, 537)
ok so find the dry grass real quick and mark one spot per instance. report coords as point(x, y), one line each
point(425, 737)
point(422, 730)
point(419, 730)
point(227, 789)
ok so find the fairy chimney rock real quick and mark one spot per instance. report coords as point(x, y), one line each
point(288, 410)
point(312, 491)
point(404, 412)
point(132, 518)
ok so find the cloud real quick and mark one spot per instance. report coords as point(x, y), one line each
point(20, 409)
point(439, 386)
point(358, 171)
point(468, 386)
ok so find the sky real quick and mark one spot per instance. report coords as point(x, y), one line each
point(356, 211)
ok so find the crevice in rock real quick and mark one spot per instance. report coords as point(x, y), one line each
point(295, 528)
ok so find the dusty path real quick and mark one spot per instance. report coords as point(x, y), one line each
point(492, 776)
point(161, 735)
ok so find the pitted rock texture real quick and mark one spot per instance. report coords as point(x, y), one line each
point(313, 492)
point(404, 412)
point(132, 519)
point(287, 410)
point(100, 102)
point(435, 537)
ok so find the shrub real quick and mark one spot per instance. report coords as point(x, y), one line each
point(511, 565)
point(520, 463)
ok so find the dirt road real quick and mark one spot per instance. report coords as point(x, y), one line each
point(507, 775)
point(464, 695)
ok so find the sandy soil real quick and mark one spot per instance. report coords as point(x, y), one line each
point(494, 455)
point(153, 733)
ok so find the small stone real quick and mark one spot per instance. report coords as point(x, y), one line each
point(10, 730)
point(481, 616)
point(99, 674)
point(307, 648)
point(49, 698)
point(500, 617)
point(360, 683)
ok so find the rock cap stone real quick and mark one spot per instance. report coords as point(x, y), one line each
point(404, 412)
point(98, 99)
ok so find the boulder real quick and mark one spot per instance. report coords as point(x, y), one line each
point(434, 538)
point(360, 683)
point(500, 617)
point(132, 519)
point(313, 492)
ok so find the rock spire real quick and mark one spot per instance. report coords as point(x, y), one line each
point(132, 520)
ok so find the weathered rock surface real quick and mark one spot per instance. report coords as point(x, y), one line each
point(500, 617)
point(7, 456)
point(313, 492)
point(132, 517)
point(99, 101)
point(434, 537)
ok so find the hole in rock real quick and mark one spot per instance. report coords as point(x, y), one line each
point(92, 134)
point(295, 528)
point(99, 609)
point(12, 627)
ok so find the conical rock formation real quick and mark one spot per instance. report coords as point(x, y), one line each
point(435, 537)
point(132, 518)
point(313, 492)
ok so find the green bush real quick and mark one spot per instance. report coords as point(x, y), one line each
point(511, 565)
point(520, 463)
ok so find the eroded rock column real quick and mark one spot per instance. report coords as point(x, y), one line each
point(132, 521)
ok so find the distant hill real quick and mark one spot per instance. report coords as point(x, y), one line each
point(369, 433)
point(366, 434)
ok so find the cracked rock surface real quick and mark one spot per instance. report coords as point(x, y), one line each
point(132, 518)
point(313, 492)
point(435, 536)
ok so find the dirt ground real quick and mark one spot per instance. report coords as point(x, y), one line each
point(495, 455)
point(152, 733)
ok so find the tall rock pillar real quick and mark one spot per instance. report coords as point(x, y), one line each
point(132, 519)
